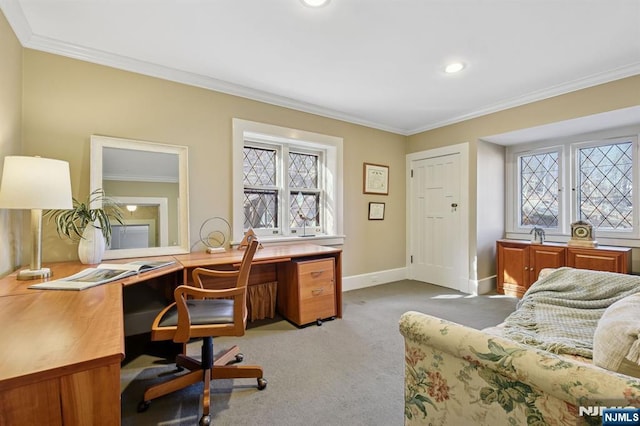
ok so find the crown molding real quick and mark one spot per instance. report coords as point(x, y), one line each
point(15, 16)
point(561, 89)
point(70, 50)
point(18, 23)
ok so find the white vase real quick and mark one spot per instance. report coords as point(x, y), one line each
point(92, 245)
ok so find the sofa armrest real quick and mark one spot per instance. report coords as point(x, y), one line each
point(457, 373)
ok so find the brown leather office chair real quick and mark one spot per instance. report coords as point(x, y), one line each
point(203, 313)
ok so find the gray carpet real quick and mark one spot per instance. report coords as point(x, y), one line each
point(346, 372)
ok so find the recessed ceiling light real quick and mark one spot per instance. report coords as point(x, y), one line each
point(315, 3)
point(454, 67)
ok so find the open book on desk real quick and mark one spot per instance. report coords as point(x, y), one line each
point(103, 273)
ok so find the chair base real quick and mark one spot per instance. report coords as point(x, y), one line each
point(222, 367)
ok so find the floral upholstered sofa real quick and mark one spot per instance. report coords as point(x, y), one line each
point(457, 375)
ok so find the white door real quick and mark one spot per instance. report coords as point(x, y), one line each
point(438, 231)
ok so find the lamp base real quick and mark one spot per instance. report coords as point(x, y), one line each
point(34, 274)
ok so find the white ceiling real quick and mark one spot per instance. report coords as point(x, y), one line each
point(373, 62)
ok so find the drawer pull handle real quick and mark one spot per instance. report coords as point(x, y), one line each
point(317, 291)
point(316, 274)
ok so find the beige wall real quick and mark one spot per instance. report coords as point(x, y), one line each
point(66, 101)
point(10, 137)
point(606, 97)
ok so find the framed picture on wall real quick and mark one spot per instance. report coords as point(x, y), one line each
point(376, 211)
point(376, 179)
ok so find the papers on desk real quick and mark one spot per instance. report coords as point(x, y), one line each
point(102, 274)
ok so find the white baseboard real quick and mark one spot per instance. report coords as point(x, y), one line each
point(355, 282)
point(483, 286)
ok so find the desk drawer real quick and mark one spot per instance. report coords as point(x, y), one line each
point(308, 292)
point(315, 279)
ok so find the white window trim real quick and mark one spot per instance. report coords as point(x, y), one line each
point(331, 145)
point(567, 172)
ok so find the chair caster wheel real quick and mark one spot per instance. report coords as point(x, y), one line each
point(318, 322)
point(262, 383)
point(205, 420)
point(143, 406)
point(239, 357)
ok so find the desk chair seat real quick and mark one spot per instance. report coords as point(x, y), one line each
point(202, 313)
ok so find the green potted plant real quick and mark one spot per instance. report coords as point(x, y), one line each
point(89, 225)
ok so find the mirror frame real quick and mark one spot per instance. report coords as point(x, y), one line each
point(98, 143)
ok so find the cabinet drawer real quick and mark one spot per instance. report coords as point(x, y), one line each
point(315, 279)
point(317, 307)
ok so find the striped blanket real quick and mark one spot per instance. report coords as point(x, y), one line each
point(559, 313)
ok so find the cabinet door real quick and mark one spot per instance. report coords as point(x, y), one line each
point(599, 259)
point(512, 268)
point(542, 256)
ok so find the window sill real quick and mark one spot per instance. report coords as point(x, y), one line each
point(323, 240)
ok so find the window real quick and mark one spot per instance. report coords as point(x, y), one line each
point(604, 185)
point(304, 191)
point(260, 188)
point(286, 182)
point(539, 178)
point(301, 191)
point(600, 175)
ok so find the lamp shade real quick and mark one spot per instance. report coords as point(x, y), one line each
point(35, 183)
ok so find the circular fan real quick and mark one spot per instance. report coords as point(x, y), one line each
point(214, 233)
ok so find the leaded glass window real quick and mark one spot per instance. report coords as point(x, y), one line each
point(296, 198)
point(260, 188)
point(539, 174)
point(605, 185)
point(304, 196)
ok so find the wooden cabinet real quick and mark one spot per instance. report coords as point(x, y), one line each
point(309, 292)
point(611, 259)
point(519, 262)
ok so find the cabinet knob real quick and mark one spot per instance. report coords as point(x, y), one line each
point(526, 268)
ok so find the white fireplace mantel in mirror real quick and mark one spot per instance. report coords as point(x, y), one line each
point(152, 180)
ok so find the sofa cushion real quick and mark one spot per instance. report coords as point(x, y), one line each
point(616, 342)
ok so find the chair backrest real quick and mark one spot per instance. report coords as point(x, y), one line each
point(240, 276)
point(245, 265)
point(185, 330)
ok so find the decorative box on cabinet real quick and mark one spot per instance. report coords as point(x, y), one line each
point(308, 294)
point(519, 262)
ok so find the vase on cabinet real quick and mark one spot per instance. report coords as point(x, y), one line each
point(91, 246)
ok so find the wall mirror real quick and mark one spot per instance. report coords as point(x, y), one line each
point(150, 181)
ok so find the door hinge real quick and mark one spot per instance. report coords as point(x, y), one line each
point(411, 172)
point(411, 258)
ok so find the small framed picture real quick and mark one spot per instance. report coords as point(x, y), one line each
point(376, 179)
point(376, 211)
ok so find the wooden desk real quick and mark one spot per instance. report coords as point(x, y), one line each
point(60, 356)
point(266, 262)
point(61, 350)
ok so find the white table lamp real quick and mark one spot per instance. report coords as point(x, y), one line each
point(35, 183)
